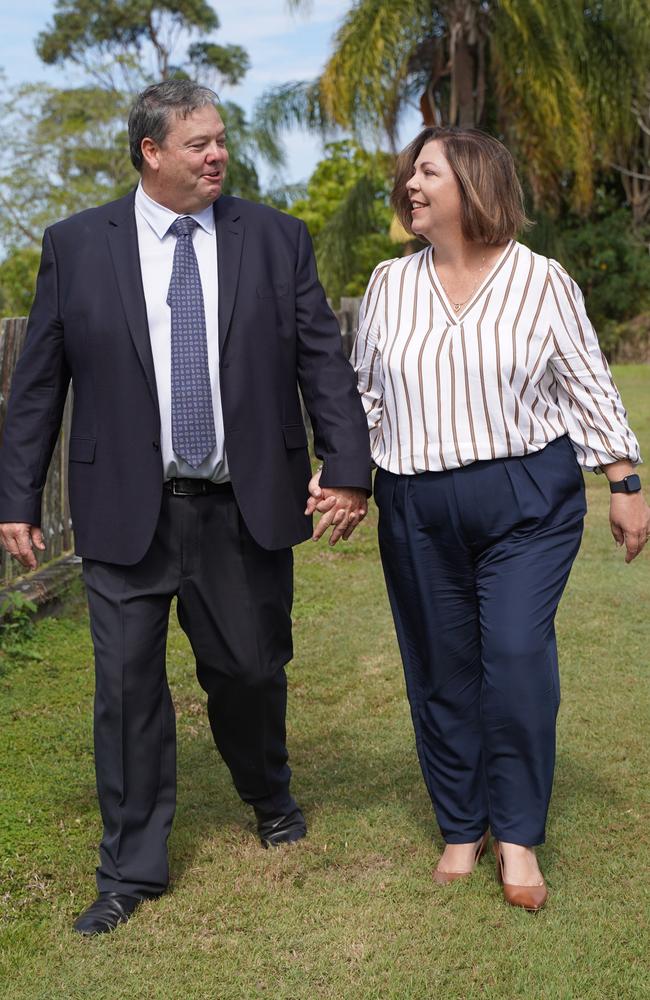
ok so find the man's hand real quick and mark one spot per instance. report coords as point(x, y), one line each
point(20, 539)
point(629, 519)
point(340, 508)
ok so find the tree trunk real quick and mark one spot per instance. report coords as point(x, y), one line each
point(463, 79)
point(633, 165)
point(464, 68)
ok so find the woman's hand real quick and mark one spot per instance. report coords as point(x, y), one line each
point(629, 519)
point(315, 500)
point(339, 507)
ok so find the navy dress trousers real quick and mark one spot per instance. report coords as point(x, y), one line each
point(476, 559)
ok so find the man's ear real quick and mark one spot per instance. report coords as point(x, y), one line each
point(150, 153)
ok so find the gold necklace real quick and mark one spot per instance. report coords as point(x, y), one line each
point(457, 306)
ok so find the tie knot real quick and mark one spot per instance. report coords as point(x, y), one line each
point(183, 226)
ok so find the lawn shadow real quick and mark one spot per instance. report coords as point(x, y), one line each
point(338, 774)
point(331, 777)
point(349, 781)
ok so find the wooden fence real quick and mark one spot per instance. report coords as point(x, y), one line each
point(348, 317)
point(56, 524)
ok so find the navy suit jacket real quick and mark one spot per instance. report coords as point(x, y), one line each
point(89, 324)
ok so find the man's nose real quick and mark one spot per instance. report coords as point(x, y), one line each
point(216, 152)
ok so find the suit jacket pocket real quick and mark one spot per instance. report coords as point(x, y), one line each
point(273, 290)
point(295, 436)
point(82, 449)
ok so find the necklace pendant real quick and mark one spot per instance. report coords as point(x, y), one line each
point(457, 306)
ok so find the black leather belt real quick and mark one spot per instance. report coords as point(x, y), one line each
point(194, 487)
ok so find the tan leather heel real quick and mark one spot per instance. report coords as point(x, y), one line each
point(529, 897)
point(445, 878)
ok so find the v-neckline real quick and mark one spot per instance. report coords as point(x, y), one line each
point(456, 317)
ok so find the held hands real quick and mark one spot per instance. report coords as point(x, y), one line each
point(340, 508)
point(629, 519)
point(19, 540)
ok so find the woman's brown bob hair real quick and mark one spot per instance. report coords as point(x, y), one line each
point(492, 202)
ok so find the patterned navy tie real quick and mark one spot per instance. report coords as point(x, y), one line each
point(193, 434)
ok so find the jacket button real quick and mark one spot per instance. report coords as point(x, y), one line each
point(155, 445)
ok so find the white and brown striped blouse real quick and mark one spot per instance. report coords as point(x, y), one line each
point(517, 367)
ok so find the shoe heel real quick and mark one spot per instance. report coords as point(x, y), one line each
point(482, 847)
point(499, 859)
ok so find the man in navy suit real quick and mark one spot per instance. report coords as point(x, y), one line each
point(187, 322)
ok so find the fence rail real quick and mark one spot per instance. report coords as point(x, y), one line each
point(56, 524)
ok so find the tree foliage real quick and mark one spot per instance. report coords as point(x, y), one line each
point(348, 189)
point(605, 256)
point(63, 150)
point(556, 78)
point(60, 151)
point(18, 273)
point(130, 42)
point(566, 84)
point(632, 159)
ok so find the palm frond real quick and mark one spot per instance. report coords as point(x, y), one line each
point(293, 104)
point(300, 5)
point(355, 216)
point(366, 80)
point(617, 68)
point(536, 52)
point(248, 142)
point(281, 195)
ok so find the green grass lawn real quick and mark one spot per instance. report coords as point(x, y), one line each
point(351, 912)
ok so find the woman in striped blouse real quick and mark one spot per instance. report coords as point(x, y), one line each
point(485, 391)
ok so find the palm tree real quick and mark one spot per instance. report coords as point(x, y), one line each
point(632, 159)
point(555, 77)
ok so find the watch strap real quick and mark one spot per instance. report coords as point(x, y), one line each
point(631, 484)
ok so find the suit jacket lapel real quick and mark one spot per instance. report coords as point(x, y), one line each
point(123, 243)
point(230, 241)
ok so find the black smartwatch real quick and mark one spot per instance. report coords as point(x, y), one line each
point(631, 484)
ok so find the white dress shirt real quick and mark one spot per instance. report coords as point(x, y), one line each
point(156, 246)
point(517, 367)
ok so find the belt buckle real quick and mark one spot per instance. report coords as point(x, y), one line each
point(175, 491)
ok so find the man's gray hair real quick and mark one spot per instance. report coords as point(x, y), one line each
point(151, 115)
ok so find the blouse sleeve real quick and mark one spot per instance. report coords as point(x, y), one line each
point(595, 418)
point(366, 357)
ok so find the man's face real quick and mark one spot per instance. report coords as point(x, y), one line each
point(186, 172)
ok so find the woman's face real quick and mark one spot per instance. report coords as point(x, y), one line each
point(433, 192)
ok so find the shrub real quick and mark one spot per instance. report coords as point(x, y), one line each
point(610, 263)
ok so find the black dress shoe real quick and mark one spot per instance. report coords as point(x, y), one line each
point(108, 910)
point(282, 829)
